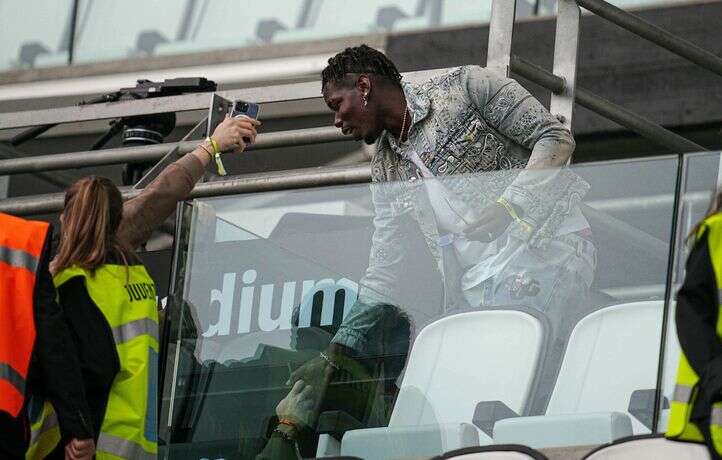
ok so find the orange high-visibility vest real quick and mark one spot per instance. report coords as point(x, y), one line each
point(21, 243)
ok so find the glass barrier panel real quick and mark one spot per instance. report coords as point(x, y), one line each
point(699, 181)
point(420, 316)
point(35, 38)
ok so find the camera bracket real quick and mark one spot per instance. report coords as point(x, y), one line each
point(217, 111)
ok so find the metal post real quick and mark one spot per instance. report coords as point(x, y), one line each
point(217, 111)
point(72, 35)
point(4, 186)
point(501, 32)
point(566, 48)
point(654, 34)
point(680, 185)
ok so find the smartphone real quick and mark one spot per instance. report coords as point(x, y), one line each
point(248, 109)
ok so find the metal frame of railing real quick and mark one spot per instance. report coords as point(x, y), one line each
point(561, 82)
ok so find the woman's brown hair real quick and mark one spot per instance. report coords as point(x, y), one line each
point(91, 217)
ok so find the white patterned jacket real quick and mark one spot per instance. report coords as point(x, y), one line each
point(469, 120)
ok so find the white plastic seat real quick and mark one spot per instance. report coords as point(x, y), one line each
point(649, 447)
point(456, 362)
point(611, 353)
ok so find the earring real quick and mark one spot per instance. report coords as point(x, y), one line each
point(365, 99)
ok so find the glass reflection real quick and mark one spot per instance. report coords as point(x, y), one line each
point(461, 339)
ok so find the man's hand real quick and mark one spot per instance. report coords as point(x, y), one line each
point(300, 405)
point(311, 372)
point(230, 133)
point(492, 222)
point(79, 449)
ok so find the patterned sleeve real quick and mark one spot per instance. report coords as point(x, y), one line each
point(510, 109)
point(517, 115)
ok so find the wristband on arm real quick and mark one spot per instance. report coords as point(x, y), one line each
point(512, 212)
point(216, 155)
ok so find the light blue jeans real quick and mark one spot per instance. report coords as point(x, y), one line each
point(554, 280)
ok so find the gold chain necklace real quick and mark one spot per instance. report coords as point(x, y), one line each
point(403, 124)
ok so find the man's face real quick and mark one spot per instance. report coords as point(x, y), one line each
point(350, 114)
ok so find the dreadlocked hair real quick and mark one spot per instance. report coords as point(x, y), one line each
point(360, 59)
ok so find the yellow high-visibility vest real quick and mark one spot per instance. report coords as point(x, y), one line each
point(686, 388)
point(126, 297)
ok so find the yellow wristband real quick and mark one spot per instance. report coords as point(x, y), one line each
point(512, 212)
point(216, 155)
point(214, 144)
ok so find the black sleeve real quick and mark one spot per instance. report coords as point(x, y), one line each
point(697, 313)
point(93, 339)
point(54, 358)
point(278, 448)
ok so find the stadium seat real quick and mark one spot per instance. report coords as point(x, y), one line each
point(28, 35)
point(611, 354)
point(496, 452)
point(336, 19)
point(648, 447)
point(147, 24)
point(456, 363)
point(58, 59)
point(231, 24)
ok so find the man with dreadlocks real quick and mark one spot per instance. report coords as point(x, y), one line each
point(517, 236)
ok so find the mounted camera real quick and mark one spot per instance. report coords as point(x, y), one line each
point(144, 130)
point(147, 129)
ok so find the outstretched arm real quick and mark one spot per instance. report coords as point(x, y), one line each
point(144, 213)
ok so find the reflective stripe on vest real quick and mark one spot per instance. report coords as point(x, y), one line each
point(44, 433)
point(13, 377)
point(21, 245)
point(19, 258)
point(716, 418)
point(133, 329)
point(685, 391)
point(123, 448)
